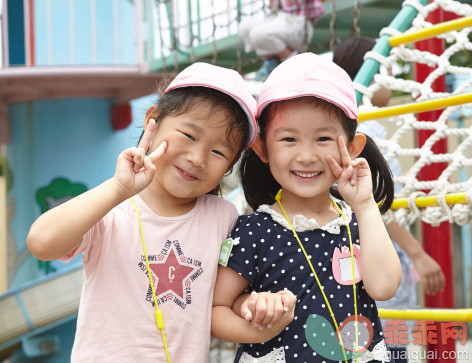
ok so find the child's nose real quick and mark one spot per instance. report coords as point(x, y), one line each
point(197, 156)
point(307, 154)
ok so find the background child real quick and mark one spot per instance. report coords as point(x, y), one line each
point(307, 116)
point(349, 55)
point(286, 31)
point(203, 122)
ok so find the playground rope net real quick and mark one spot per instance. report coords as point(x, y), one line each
point(454, 123)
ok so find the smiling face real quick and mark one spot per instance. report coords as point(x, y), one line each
point(297, 141)
point(198, 154)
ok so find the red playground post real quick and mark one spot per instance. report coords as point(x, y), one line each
point(436, 240)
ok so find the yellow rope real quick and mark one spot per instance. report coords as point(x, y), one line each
point(278, 198)
point(158, 312)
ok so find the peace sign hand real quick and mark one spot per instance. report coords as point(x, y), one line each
point(134, 169)
point(354, 176)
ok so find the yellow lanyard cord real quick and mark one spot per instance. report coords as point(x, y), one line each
point(158, 312)
point(353, 275)
point(278, 198)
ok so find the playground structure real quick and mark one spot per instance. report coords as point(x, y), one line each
point(187, 33)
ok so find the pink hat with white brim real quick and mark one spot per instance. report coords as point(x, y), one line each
point(308, 74)
point(222, 79)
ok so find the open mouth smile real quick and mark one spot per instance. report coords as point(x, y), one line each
point(306, 175)
point(185, 175)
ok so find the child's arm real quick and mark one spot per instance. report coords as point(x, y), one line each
point(60, 230)
point(380, 265)
point(428, 269)
point(226, 325)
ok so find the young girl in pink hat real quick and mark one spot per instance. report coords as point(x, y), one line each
point(151, 234)
point(318, 189)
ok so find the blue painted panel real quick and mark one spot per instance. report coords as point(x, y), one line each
point(40, 33)
point(16, 32)
point(127, 33)
point(59, 45)
point(104, 26)
point(60, 32)
point(82, 32)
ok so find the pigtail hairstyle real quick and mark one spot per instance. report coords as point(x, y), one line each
point(259, 186)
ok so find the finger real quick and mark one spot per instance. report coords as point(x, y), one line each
point(149, 169)
point(436, 284)
point(347, 173)
point(353, 179)
point(248, 306)
point(261, 310)
point(334, 166)
point(138, 158)
point(345, 157)
point(156, 154)
point(288, 301)
point(148, 135)
point(426, 284)
point(442, 281)
point(362, 163)
point(278, 312)
point(270, 310)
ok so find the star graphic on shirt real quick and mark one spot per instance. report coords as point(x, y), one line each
point(171, 274)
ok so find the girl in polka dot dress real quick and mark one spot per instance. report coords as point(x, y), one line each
point(335, 255)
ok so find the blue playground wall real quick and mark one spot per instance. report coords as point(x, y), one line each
point(71, 139)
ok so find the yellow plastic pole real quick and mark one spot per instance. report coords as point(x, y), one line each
point(422, 34)
point(430, 201)
point(462, 315)
point(424, 106)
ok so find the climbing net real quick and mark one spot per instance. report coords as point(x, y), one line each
point(449, 196)
point(184, 26)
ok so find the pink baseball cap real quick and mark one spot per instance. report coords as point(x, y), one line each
point(222, 79)
point(308, 74)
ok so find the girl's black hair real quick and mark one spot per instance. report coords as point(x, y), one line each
point(260, 187)
point(180, 100)
point(349, 55)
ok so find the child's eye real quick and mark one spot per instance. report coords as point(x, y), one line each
point(189, 136)
point(289, 139)
point(324, 138)
point(218, 153)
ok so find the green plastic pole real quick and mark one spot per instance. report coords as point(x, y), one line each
point(401, 22)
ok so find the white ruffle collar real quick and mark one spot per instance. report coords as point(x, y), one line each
point(302, 223)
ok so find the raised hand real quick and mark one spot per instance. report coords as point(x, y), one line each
point(354, 176)
point(134, 169)
point(265, 309)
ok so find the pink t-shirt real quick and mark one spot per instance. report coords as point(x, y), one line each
point(116, 315)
